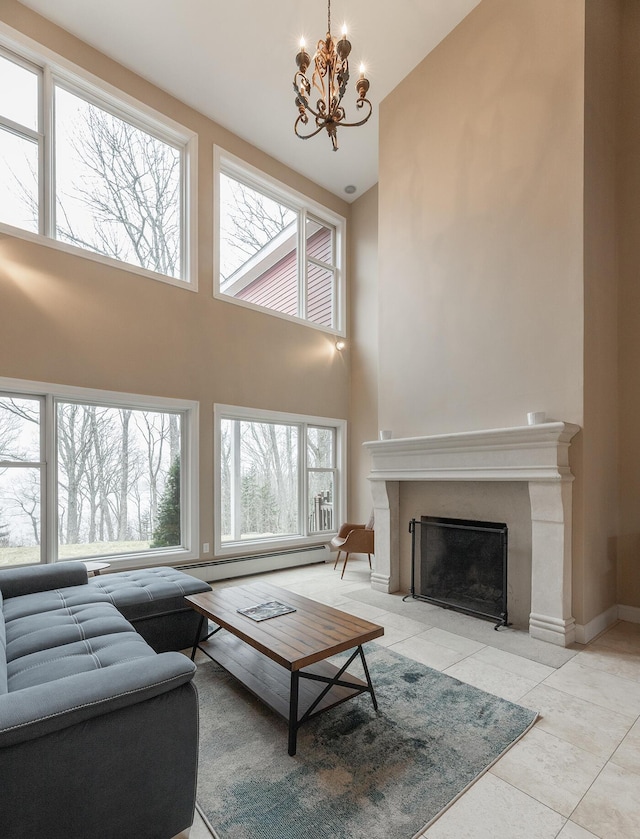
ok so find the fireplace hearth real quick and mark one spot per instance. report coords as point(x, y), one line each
point(461, 564)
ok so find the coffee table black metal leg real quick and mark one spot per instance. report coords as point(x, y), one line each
point(197, 641)
point(368, 677)
point(293, 712)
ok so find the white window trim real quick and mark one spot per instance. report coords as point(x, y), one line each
point(57, 69)
point(248, 547)
point(227, 163)
point(116, 399)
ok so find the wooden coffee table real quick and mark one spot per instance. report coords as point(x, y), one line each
point(268, 656)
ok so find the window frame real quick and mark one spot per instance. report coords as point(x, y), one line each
point(305, 538)
point(51, 395)
point(29, 134)
point(234, 167)
point(320, 470)
point(40, 465)
point(55, 71)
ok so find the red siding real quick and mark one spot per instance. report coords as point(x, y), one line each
point(320, 289)
point(319, 246)
point(320, 295)
point(277, 288)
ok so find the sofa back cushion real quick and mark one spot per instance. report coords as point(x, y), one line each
point(15, 582)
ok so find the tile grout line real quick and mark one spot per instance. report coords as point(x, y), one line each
point(575, 696)
point(583, 663)
point(586, 792)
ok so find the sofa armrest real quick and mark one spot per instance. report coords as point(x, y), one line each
point(36, 711)
point(14, 582)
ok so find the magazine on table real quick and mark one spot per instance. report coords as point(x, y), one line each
point(264, 611)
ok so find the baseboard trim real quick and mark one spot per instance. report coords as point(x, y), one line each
point(588, 631)
point(225, 569)
point(629, 613)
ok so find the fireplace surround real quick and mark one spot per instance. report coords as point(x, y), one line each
point(537, 455)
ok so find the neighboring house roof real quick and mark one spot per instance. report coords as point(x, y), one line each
point(270, 277)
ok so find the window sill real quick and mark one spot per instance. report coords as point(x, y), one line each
point(227, 298)
point(47, 241)
point(257, 549)
point(131, 562)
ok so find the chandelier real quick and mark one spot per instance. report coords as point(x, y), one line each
point(330, 78)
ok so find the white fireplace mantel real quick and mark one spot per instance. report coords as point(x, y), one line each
point(537, 454)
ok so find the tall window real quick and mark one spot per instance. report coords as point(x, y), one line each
point(21, 479)
point(20, 143)
point(280, 477)
point(83, 479)
point(277, 250)
point(115, 182)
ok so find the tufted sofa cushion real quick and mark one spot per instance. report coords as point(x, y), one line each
point(47, 601)
point(53, 634)
point(51, 627)
point(147, 592)
point(79, 617)
point(56, 663)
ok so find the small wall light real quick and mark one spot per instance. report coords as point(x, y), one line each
point(340, 345)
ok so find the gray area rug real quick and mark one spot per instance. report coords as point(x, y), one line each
point(357, 774)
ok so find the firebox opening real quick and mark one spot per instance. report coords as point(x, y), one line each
point(461, 564)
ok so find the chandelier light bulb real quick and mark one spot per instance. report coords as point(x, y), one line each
point(362, 71)
point(344, 30)
point(303, 43)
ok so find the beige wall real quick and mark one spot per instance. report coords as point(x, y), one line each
point(629, 309)
point(66, 319)
point(481, 228)
point(597, 503)
point(481, 163)
point(363, 348)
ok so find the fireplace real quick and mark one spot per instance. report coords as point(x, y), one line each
point(537, 455)
point(461, 564)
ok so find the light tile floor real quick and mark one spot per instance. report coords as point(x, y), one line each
point(576, 774)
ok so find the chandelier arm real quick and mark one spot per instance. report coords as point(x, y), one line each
point(301, 84)
point(315, 114)
point(305, 136)
point(362, 121)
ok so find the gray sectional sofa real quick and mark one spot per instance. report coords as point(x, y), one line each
point(98, 731)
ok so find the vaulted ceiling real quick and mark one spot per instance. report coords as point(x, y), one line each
point(235, 62)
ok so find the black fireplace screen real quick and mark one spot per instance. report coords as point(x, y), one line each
point(461, 564)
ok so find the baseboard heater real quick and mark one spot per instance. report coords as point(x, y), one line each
point(461, 564)
point(239, 566)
